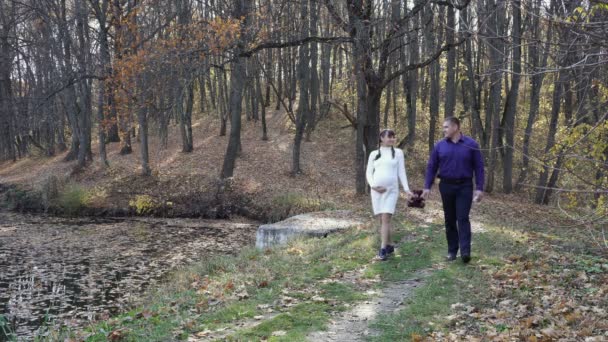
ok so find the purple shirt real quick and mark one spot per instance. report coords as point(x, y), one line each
point(456, 160)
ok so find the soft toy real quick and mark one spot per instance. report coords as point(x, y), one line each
point(416, 201)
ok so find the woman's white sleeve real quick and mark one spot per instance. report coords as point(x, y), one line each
point(402, 174)
point(369, 173)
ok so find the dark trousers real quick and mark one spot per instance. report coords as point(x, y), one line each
point(457, 200)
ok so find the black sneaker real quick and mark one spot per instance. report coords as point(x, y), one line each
point(450, 257)
point(466, 258)
point(390, 249)
point(383, 254)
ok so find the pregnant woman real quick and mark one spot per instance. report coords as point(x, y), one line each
point(385, 169)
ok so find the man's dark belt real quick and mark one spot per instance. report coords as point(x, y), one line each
point(456, 180)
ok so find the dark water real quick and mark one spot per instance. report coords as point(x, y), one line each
point(68, 272)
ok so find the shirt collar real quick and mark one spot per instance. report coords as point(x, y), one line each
point(459, 140)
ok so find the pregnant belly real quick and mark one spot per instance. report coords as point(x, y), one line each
point(386, 181)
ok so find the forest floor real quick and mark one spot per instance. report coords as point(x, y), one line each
point(535, 275)
point(185, 184)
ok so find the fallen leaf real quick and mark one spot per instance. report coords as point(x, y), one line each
point(203, 333)
point(319, 299)
point(229, 286)
point(416, 338)
point(242, 295)
point(116, 335)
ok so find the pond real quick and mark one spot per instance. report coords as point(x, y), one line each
point(59, 271)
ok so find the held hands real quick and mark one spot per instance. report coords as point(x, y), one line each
point(426, 193)
point(415, 199)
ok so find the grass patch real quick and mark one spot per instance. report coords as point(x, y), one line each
point(72, 199)
point(289, 281)
point(304, 318)
point(429, 305)
point(143, 204)
point(215, 294)
point(425, 249)
point(289, 204)
point(341, 292)
point(16, 199)
point(293, 325)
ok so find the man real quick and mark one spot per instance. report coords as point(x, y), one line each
point(458, 158)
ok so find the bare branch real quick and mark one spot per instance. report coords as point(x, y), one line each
point(298, 42)
point(422, 64)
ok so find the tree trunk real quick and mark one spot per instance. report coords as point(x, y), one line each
point(314, 74)
point(6, 97)
point(360, 57)
point(84, 117)
point(411, 89)
point(434, 74)
point(269, 66)
point(474, 105)
point(142, 118)
point(325, 75)
point(105, 67)
point(450, 87)
point(241, 10)
point(223, 100)
point(303, 113)
point(495, 30)
point(185, 119)
point(541, 192)
point(512, 97)
point(260, 96)
point(536, 82)
point(387, 108)
point(280, 76)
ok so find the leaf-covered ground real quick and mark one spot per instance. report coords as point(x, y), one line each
point(262, 173)
point(540, 281)
point(67, 272)
point(535, 275)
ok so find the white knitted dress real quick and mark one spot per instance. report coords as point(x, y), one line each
point(386, 171)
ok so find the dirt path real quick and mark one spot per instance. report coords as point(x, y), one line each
point(353, 324)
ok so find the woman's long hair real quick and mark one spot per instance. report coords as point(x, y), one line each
point(385, 133)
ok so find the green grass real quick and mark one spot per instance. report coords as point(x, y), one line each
point(72, 199)
point(341, 292)
point(6, 332)
point(15, 199)
point(303, 318)
point(420, 253)
point(428, 304)
point(291, 203)
point(456, 283)
point(205, 295)
point(299, 321)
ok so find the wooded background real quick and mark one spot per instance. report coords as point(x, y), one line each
point(528, 79)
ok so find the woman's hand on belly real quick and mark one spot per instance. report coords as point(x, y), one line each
point(379, 189)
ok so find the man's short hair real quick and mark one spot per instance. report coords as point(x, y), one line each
point(453, 120)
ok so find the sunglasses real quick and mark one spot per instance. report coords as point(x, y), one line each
point(387, 132)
